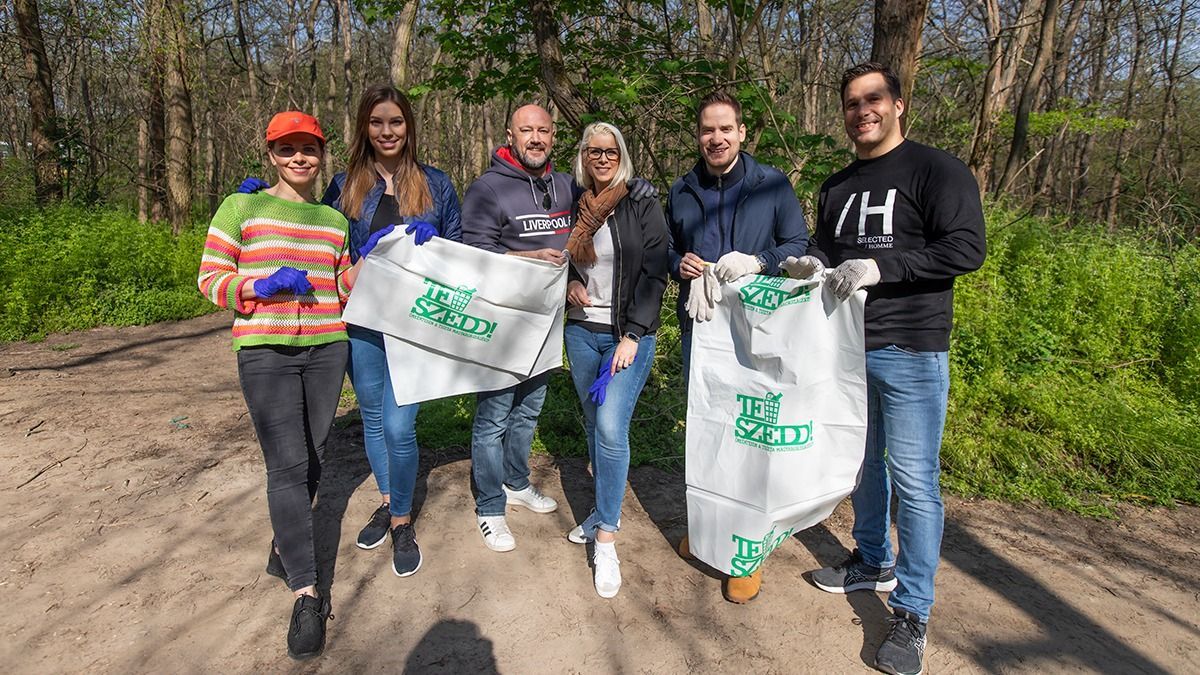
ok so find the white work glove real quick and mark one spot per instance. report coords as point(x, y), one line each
point(704, 295)
point(735, 265)
point(851, 276)
point(804, 267)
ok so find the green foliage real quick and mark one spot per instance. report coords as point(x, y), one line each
point(1078, 119)
point(68, 268)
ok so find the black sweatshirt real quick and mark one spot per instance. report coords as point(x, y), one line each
point(916, 211)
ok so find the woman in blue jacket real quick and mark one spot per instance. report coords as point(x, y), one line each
point(385, 185)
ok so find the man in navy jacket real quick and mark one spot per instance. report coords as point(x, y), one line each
point(733, 212)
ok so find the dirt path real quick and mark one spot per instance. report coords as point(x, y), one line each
point(135, 534)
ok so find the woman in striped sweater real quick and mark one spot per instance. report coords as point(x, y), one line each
point(280, 260)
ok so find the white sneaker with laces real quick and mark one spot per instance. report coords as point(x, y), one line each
point(576, 535)
point(531, 499)
point(496, 534)
point(608, 570)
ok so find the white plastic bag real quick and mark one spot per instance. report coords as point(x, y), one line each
point(777, 417)
point(457, 319)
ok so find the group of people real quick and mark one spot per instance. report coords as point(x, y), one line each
point(902, 220)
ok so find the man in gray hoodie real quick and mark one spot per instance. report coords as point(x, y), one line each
point(519, 206)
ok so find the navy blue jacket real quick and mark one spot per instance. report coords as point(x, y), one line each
point(767, 221)
point(445, 215)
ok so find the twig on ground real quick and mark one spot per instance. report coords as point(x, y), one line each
point(51, 465)
point(31, 430)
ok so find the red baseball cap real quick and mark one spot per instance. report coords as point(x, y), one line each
point(293, 122)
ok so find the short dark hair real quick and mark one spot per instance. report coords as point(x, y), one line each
point(719, 97)
point(854, 72)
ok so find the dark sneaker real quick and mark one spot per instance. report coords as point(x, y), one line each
point(306, 635)
point(855, 575)
point(406, 557)
point(275, 564)
point(904, 648)
point(377, 528)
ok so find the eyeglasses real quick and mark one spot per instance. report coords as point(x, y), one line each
point(541, 185)
point(593, 154)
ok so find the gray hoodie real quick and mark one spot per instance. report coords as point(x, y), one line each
point(504, 209)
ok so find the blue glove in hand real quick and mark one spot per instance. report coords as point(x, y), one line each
point(374, 239)
point(284, 279)
point(640, 188)
point(252, 185)
point(599, 389)
point(424, 231)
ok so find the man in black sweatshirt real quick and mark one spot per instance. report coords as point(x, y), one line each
point(902, 221)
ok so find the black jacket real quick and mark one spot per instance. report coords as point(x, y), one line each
point(640, 270)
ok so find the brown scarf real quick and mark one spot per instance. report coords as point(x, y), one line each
point(594, 209)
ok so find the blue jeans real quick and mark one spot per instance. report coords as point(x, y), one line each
point(501, 438)
point(906, 411)
point(607, 426)
point(389, 430)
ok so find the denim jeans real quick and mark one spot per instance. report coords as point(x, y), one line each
point(607, 425)
point(389, 430)
point(292, 394)
point(501, 438)
point(906, 411)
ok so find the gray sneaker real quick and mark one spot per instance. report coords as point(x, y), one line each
point(855, 575)
point(903, 651)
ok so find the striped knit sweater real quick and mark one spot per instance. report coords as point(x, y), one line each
point(252, 236)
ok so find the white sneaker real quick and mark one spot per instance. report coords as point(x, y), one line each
point(576, 535)
point(496, 534)
point(531, 499)
point(608, 570)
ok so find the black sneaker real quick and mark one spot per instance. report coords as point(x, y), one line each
point(275, 564)
point(904, 648)
point(306, 635)
point(377, 528)
point(855, 575)
point(406, 557)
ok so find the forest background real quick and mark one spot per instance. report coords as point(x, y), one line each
point(1076, 372)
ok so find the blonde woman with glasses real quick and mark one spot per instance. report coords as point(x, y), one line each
point(618, 273)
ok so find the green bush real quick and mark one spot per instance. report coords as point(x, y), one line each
point(68, 268)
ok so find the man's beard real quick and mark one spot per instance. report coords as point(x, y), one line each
point(528, 163)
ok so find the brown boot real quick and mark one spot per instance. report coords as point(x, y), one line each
point(684, 551)
point(743, 589)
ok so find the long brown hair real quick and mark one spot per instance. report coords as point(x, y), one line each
point(412, 191)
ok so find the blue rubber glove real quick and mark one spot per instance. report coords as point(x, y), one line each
point(640, 188)
point(283, 279)
point(374, 239)
point(424, 231)
point(599, 389)
point(252, 185)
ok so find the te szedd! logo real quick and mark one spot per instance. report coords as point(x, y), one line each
point(764, 295)
point(751, 552)
point(757, 425)
point(444, 307)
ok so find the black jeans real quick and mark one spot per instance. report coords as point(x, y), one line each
point(292, 394)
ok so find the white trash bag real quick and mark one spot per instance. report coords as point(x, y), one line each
point(777, 417)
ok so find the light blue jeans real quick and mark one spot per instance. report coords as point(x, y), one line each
point(389, 430)
point(501, 438)
point(906, 412)
point(607, 425)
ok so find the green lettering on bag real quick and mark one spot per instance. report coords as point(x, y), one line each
point(764, 295)
point(757, 425)
point(443, 306)
point(751, 552)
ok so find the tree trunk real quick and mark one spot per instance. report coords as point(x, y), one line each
point(1158, 164)
point(345, 19)
point(402, 42)
point(1122, 153)
point(1061, 64)
point(1095, 95)
point(331, 92)
point(562, 90)
point(1016, 153)
point(997, 86)
point(180, 127)
point(43, 120)
point(255, 103)
point(896, 40)
point(152, 176)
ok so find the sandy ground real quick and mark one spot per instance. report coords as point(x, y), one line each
point(135, 531)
